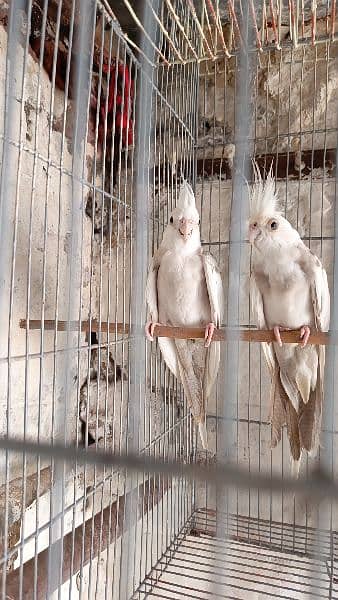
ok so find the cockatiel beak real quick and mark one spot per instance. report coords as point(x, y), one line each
point(185, 228)
point(254, 231)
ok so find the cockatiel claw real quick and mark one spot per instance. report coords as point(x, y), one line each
point(209, 332)
point(276, 331)
point(149, 330)
point(304, 335)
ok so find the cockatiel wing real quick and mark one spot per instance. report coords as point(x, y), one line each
point(215, 291)
point(215, 287)
point(311, 412)
point(320, 295)
point(257, 307)
point(167, 345)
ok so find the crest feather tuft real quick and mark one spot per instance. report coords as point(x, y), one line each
point(186, 197)
point(263, 198)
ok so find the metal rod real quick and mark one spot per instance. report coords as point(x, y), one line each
point(319, 486)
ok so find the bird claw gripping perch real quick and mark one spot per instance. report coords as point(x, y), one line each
point(149, 330)
point(209, 332)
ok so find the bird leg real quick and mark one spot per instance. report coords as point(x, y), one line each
point(277, 329)
point(209, 332)
point(304, 335)
point(149, 329)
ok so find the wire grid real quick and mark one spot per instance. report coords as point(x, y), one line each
point(255, 542)
point(89, 508)
point(290, 130)
point(222, 26)
point(196, 570)
point(71, 126)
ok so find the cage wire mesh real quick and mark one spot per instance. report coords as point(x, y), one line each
point(105, 490)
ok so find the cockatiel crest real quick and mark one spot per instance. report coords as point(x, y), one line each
point(289, 290)
point(263, 198)
point(186, 198)
point(268, 229)
point(184, 288)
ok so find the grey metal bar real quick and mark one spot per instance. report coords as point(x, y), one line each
point(9, 204)
point(83, 35)
point(135, 432)
point(212, 472)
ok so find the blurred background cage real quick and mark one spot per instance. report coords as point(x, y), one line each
point(104, 108)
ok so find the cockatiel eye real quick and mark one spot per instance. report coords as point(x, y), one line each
point(273, 225)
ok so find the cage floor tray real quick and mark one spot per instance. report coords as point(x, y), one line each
point(204, 567)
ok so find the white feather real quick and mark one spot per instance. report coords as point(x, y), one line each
point(259, 318)
point(186, 197)
point(202, 428)
point(215, 287)
point(262, 195)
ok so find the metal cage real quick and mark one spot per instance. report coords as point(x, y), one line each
point(105, 491)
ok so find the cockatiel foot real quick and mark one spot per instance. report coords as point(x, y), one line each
point(304, 335)
point(277, 329)
point(149, 329)
point(209, 332)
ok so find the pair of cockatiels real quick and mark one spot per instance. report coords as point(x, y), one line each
point(289, 290)
point(184, 288)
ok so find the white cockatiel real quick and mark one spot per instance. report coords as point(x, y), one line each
point(289, 290)
point(184, 288)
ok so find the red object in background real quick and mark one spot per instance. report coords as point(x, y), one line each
point(120, 98)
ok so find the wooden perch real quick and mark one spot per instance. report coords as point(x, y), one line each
point(187, 333)
point(244, 335)
point(86, 326)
